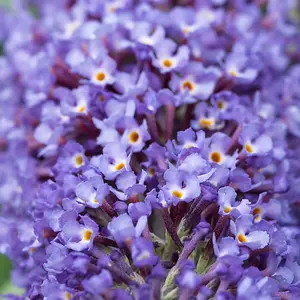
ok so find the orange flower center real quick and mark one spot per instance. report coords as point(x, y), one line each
point(134, 136)
point(151, 171)
point(167, 63)
point(248, 148)
point(256, 211)
point(188, 85)
point(100, 76)
point(32, 250)
point(216, 157)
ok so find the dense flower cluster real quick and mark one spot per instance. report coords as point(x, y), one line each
point(150, 149)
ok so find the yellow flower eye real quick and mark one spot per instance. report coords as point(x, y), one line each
point(227, 209)
point(87, 235)
point(220, 104)
point(120, 166)
point(207, 123)
point(177, 194)
point(186, 30)
point(233, 72)
point(78, 160)
point(242, 239)
point(81, 108)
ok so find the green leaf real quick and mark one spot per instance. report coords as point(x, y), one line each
point(172, 295)
point(5, 3)
point(5, 267)
point(9, 288)
point(34, 11)
point(169, 288)
point(1, 49)
point(6, 287)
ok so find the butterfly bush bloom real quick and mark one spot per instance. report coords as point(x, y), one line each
point(149, 149)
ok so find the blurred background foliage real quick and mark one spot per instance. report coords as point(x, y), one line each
point(6, 287)
point(5, 3)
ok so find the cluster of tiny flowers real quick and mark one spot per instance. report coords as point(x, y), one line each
point(149, 149)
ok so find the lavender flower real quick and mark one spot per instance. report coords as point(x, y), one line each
point(149, 149)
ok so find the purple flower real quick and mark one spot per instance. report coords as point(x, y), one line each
point(240, 180)
point(74, 103)
point(136, 210)
point(135, 136)
point(219, 177)
point(194, 163)
point(123, 230)
point(113, 161)
point(229, 268)
point(246, 234)
point(216, 150)
point(180, 186)
point(228, 246)
point(229, 205)
point(292, 118)
point(188, 279)
point(257, 286)
point(126, 182)
point(92, 192)
point(99, 71)
point(188, 139)
point(96, 284)
point(53, 290)
point(166, 60)
point(242, 67)
point(72, 158)
point(131, 85)
point(195, 82)
point(142, 252)
point(56, 256)
point(206, 118)
point(226, 103)
point(145, 34)
point(79, 236)
point(271, 209)
point(254, 142)
point(150, 149)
